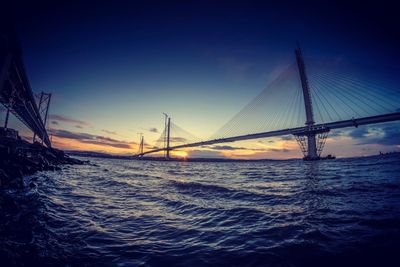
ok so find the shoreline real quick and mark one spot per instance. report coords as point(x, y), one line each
point(19, 158)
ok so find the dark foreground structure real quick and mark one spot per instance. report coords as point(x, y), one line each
point(19, 158)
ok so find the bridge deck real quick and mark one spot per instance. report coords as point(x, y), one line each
point(299, 131)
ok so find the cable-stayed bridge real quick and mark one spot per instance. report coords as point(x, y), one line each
point(303, 102)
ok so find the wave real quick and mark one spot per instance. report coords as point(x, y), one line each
point(205, 214)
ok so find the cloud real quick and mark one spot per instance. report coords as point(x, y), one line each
point(114, 144)
point(61, 118)
point(205, 154)
point(91, 139)
point(277, 138)
point(153, 130)
point(337, 133)
point(266, 141)
point(230, 148)
point(109, 132)
point(359, 132)
point(54, 122)
point(177, 139)
point(71, 135)
point(287, 137)
point(226, 148)
point(387, 135)
point(284, 150)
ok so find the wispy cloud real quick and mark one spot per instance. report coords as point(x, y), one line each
point(287, 137)
point(225, 147)
point(231, 148)
point(153, 130)
point(109, 132)
point(337, 133)
point(92, 139)
point(275, 139)
point(61, 118)
point(284, 150)
point(177, 139)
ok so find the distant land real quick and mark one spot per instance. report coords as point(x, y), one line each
point(93, 154)
point(105, 155)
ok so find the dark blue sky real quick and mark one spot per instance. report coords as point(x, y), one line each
point(120, 64)
point(359, 28)
point(179, 33)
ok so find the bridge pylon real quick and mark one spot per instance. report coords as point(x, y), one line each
point(141, 147)
point(311, 140)
point(168, 132)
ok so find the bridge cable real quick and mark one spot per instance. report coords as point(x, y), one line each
point(352, 95)
point(372, 91)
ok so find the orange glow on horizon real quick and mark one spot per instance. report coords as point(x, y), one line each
point(180, 154)
point(72, 144)
point(271, 149)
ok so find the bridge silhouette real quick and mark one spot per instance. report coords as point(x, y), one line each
point(332, 99)
point(15, 90)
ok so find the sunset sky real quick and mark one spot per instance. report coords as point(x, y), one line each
point(114, 68)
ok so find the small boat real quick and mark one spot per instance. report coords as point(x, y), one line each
point(319, 158)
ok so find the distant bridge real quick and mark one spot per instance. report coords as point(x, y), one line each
point(15, 91)
point(311, 137)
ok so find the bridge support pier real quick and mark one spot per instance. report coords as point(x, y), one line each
point(312, 147)
point(312, 141)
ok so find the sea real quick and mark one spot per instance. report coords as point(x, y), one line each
point(116, 212)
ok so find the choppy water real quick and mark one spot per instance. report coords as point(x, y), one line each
point(137, 213)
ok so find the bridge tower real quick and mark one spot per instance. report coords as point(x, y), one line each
point(141, 146)
point(168, 132)
point(309, 149)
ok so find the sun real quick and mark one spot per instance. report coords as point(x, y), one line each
point(180, 154)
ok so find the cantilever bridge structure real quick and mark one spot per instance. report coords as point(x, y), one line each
point(311, 136)
point(15, 90)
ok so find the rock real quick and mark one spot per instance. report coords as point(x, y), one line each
point(19, 158)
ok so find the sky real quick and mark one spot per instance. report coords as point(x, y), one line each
point(114, 67)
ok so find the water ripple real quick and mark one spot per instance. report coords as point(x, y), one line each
point(143, 213)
